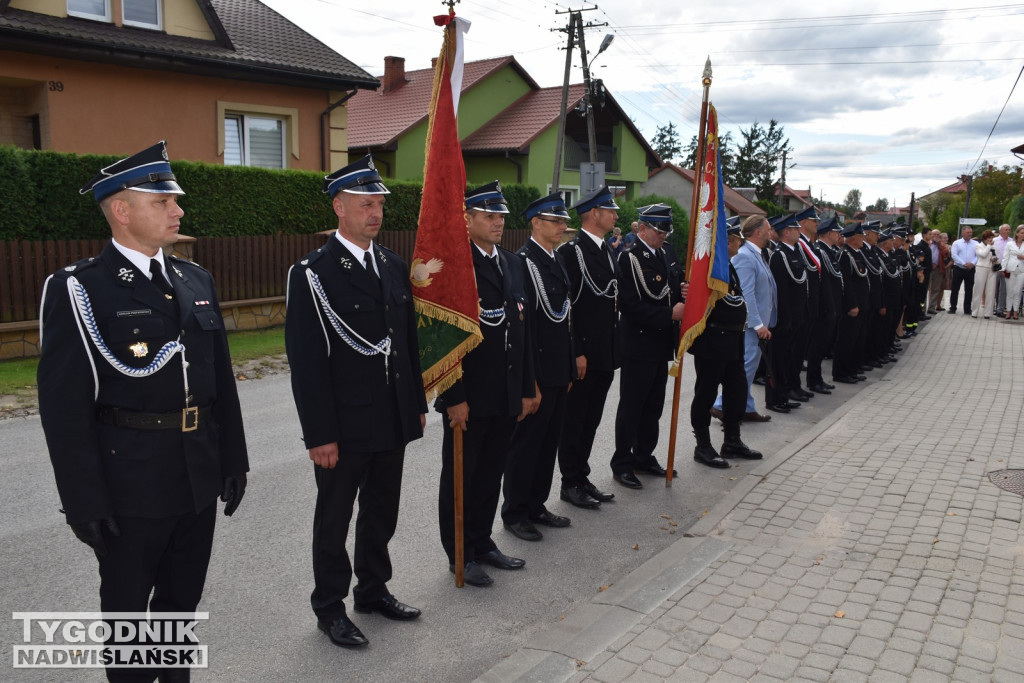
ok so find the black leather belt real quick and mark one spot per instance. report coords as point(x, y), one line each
point(186, 419)
point(728, 328)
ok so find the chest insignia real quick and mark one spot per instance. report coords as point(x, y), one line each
point(126, 274)
point(139, 349)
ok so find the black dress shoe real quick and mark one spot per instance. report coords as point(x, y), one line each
point(778, 407)
point(548, 519)
point(796, 397)
point(860, 378)
point(578, 497)
point(498, 559)
point(391, 608)
point(759, 380)
point(707, 455)
point(830, 387)
point(844, 380)
point(628, 479)
point(735, 448)
point(524, 530)
point(867, 368)
point(803, 392)
point(597, 494)
point(820, 388)
point(756, 417)
point(342, 631)
point(655, 469)
point(715, 412)
point(951, 311)
point(473, 574)
point(792, 404)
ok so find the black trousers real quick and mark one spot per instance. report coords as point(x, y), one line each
point(531, 458)
point(878, 345)
point(964, 276)
point(712, 373)
point(845, 362)
point(641, 401)
point(822, 337)
point(784, 355)
point(484, 450)
point(804, 339)
point(584, 408)
point(167, 556)
point(376, 478)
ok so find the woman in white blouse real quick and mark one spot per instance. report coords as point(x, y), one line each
point(1013, 263)
point(984, 276)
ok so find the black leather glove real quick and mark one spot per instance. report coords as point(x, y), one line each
point(231, 496)
point(91, 533)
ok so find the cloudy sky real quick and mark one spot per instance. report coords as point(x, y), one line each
point(889, 98)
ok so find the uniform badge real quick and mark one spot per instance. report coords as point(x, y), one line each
point(126, 274)
point(70, 269)
point(304, 261)
point(201, 303)
point(345, 263)
point(647, 254)
point(175, 268)
point(139, 349)
point(657, 278)
point(382, 257)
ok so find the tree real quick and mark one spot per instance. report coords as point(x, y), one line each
point(759, 156)
point(666, 142)
point(881, 204)
point(725, 151)
point(852, 200)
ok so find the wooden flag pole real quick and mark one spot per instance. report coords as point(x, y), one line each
point(698, 181)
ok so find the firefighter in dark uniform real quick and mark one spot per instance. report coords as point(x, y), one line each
point(531, 459)
point(593, 275)
point(808, 220)
point(876, 321)
point(892, 291)
point(496, 389)
point(908, 279)
point(787, 266)
point(651, 305)
point(846, 362)
point(830, 302)
point(138, 400)
point(718, 361)
point(350, 334)
point(921, 259)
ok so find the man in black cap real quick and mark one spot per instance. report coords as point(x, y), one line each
point(531, 461)
point(496, 389)
point(875, 349)
point(138, 400)
point(718, 361)
point(830, 302)
point(350, 334)
point(808, 219)
point(595, 324)
point(651, 304)
point(782, 393)
point(847, 360)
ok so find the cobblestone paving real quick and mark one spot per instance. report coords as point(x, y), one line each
point(879, 552)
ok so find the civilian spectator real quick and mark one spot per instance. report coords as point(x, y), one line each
point(1012, 265)
point(1000, 244)
point(985, 274)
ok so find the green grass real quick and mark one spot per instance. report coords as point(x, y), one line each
point(18, 377)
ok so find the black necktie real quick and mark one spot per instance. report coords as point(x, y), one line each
point(495, 266)
point(368, 261)
point(157, 273)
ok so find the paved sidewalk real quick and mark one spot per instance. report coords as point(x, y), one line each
point(873, 548)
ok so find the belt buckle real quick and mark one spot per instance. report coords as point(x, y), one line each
point(187, 415)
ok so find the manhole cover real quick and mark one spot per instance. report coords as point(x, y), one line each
point(1008, 480)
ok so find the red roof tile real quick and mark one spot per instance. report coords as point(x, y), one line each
point(517, 126)
point(734, 201)
point(376, 118)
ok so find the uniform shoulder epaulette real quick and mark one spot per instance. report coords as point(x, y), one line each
point(312, 256)
point(186, 262)
point(76, 267)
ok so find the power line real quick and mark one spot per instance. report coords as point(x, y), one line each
point(997, 119)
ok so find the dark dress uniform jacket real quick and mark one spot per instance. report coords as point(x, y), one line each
point(553, 357)
point(830, 300)
point(787, 266)
point(723, 336)
point(343, 396)
point(498, 373)
point(872, 255)
point(856, 288)
point(104, 470)
point(814, 276)
point(648, 331)
point(595, 319)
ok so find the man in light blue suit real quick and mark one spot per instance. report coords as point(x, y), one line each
point(759, 293)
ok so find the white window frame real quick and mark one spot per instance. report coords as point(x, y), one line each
point(159, 16)
point(87, 15)
point(571, 193)
point(289, 115)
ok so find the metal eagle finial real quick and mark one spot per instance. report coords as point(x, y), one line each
point(707, 72)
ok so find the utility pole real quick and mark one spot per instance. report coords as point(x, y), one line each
point(782, 184)
point(575, 32)
point(969, 179)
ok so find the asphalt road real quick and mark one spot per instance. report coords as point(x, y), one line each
point(257, 591)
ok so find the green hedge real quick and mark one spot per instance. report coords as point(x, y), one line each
point(40, 200)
